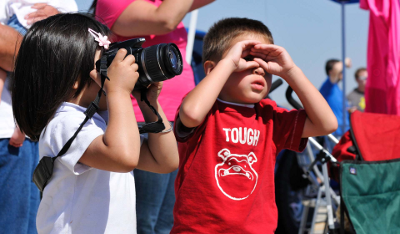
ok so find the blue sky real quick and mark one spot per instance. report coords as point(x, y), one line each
point(310, 30)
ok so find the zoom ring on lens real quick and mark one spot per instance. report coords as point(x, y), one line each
point(152, 64)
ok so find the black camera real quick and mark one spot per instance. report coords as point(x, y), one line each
point(156, 63)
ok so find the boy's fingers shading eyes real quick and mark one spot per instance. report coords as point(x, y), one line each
point(248, 65)
point(252, 64)
point(245, 53)
point(259, 55)
point(248, 44)
point(261, 62)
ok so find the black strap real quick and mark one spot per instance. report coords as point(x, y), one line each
point(153, 127)
point(91, 110)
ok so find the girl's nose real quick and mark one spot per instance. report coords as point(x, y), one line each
point(259, 71)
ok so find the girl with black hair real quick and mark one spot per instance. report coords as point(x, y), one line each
point(92, 188)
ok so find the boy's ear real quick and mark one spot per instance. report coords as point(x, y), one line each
point(208, 66)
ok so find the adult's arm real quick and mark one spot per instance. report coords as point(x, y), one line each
point(144, 18)
point(10, 41)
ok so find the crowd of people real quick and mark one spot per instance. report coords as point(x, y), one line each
point(211, 168)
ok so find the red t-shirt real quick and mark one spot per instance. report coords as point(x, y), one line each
point(174, 89)
point(225, 182)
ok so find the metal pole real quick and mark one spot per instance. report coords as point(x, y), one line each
point(344, 66)
point(191, 35)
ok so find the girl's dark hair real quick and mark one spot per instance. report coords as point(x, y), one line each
point(54, 54)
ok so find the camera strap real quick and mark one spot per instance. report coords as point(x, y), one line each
point(92, 109)
point(44, 169)
point(153, 127)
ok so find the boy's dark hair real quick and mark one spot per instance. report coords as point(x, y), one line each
point(357, 73)
point(55, 53)
point(220, 35)
point(329, 65)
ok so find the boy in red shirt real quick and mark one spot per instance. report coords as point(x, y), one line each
point(229, 135)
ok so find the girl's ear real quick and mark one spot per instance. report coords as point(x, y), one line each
point(76, 84)
point(208, 66)
point(95, 76)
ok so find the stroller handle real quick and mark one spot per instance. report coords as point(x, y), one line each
point(275, 85)
point(291, 100)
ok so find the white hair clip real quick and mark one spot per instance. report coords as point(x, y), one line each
point(103, 40)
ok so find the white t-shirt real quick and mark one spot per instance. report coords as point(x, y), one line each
point(7, 124)
point(3, 12)
point(21, 8)
point(78, 198)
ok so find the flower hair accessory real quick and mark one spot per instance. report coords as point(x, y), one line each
point(103, 40)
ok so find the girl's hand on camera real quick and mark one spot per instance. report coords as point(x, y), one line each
point(122, 73)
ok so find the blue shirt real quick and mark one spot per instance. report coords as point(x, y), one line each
point(334, 96)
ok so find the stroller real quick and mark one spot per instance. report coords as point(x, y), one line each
point(369, 173)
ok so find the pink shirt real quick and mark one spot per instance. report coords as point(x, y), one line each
point(174, 89)
point(382, 91)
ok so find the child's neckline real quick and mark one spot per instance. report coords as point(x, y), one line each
point(237, 104)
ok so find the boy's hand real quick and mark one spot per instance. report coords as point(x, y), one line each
point(273, 59)
point(122, 73)
point(238, 52)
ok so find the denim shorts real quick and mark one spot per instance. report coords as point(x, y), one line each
point(15, 24)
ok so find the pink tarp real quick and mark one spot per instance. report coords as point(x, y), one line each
point(382, 94)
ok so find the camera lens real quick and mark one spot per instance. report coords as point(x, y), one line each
point(174, 59)
point(156, 63)
point(159, 62)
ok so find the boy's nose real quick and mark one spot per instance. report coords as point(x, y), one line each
point(259, 71)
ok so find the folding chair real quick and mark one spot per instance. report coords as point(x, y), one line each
point(371, 193)
point(369, 156)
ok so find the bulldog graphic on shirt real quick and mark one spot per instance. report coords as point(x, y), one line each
point(235, 175)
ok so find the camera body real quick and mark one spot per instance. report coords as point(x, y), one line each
point(156, 63)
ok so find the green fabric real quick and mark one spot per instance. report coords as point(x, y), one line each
point(371, 194)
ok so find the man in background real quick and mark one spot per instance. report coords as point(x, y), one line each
point(332, 93)
point(356, 97)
